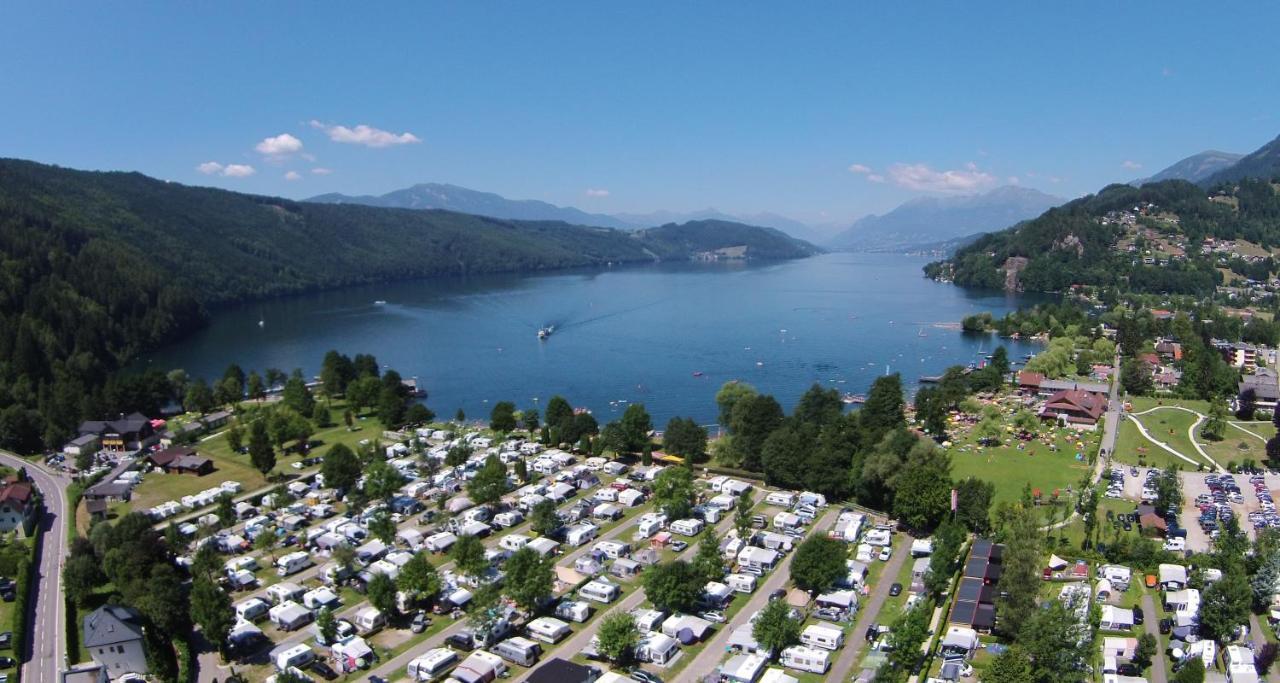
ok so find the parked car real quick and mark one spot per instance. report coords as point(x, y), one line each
point(1166, 625)
point(7, 662)
point(717, 617)
point(778, 594)
point(6, 640)
point(420, 622)
point(644, 676)
point(679, 546)
point(886, 554)
point(895, 590)
point(322, 670)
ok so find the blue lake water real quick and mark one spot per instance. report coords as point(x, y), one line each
point(634, 334)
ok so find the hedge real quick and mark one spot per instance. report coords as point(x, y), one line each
point(20, 606)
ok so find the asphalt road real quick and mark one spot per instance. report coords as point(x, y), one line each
point(868, 613)
point(46, 645)
point(704, 664)
point(1151, 624)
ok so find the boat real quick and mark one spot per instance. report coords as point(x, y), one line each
point(380, 302)
point(697, 373)
point(545, 332)
point(853, 399)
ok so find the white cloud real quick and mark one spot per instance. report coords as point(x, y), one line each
point(922, 178)
point(860, 169)
point(280, 145)
point(229, 170)
point(238, 171)
point(1130, 165)
point(1013, 180)
point(365, 135)
point(592, 192)
point(293, 175)
point(875, 178)
point(321, 171)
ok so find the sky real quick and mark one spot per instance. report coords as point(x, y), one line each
point(819, 111)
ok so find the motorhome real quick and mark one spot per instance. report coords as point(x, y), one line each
point(518, 650)
point(879, 537)
point(804, 658)
point(293, 563)
point(687, 527)
point(599, 590)
point(441, 542)
point(650, 524)
point(809, 498)
point(290, 616)
point(431, 664)
point(369, 619)
point(780, 499)
point(548, 629)
point(285, 591)
point(508, 519)
point(613, 549)
point(824, 637)
point(580, 534)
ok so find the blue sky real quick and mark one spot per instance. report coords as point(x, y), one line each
point(822, 111)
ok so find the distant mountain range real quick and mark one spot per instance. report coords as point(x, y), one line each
point(464, 200)
point(1194, 168)
point(926, 222)
point(1263, 163)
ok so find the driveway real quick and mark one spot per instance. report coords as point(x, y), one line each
point(868, 613)
point(1151, 624)
point(46, 645)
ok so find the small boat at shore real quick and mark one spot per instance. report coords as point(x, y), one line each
point(545, 332)
point(853, 399)
point(697, 373)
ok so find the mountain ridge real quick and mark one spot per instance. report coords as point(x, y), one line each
point(1194, 168)
point(1262, 163)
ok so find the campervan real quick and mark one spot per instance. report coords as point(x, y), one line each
point(573, 610)
point(479, 667)
point(780, 499)
point(297, 655)
point(650, 524)
point(432, 664)
point(252, 609)
point(824, 637)
point(518, 650)
point(599, 591)
point(548, 630)
point(580, 534)
point(687, 527)
point(292, 563)
point(742, 583)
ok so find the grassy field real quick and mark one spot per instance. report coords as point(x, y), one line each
point(1166, 424)
point(1013, 465)
point(1132, 448)
point(1238, 446)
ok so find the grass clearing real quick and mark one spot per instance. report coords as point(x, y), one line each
point(1015, 464)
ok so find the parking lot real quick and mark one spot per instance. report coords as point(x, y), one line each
point(1209, 499)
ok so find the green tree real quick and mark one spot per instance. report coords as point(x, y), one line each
point(636, 425)
point(327, 624)
point(923, 495)
point(335, 371)
point(529, 419)
point(211, 610)
point(254, 387)
point(1135, 377)
point(381, 480)
point(818, 563)
point(785, 454)
point(381, 592)
point(906, 636)
point(199, 397)
point(673, 492)
point(235, 437)
point(708, 560)
point(363, 392)
point(321, 416)
point(686, 438)
point(1057, 641)
point(340, 468)
point(818, 406)
point(754, 418)
point(1215, 426)
point(883, 409)
point(742, 516)
point(418, 414)
point(728, 397)
point(618, 636)
point(468, 554)
point(489, 483)
point(774, 629)
point(265, 543)
point(261, 454)
point(673, 586)
point(81, 576)
point(973, 504)
point(224, 511)
point(419, 577)
point(296, 395)
point(1147, 648)
point(391, 407)
point(1020, 581)
point(558, 411)
point(543, 518)
point(1225, 606)
point(529, 579)
point(931, 412)
point(1010, 666)
point(1191, 672)
point(947, 541)
point(382, 527)
point(503, 417)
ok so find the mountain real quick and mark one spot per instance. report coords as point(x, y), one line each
point(1264, 164)
point(930, 220)
point(463, 200)
point(1194, 168)
point(101, 266)
point(1143, 239)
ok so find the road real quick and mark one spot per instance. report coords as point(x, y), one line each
point(46, 644)
point(867, 615)
point(706, 661)
point(1151, 624)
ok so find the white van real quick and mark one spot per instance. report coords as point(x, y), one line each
point(432, 664)
point(548, 630)
point(518, 650)
point(824, 637)
point(292, 563)
point(804, 658)
point(742, 583)
point(687, 527)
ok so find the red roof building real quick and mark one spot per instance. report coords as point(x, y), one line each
point(1075, 407)
point(1030, 381)
point(16, 506)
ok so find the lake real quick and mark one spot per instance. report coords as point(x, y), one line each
point(667, 335)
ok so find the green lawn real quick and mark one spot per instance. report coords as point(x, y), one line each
point(1036, 463)
point(1132, 448)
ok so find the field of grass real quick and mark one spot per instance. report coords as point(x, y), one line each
point(1015, 464)
point(1132, 448)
